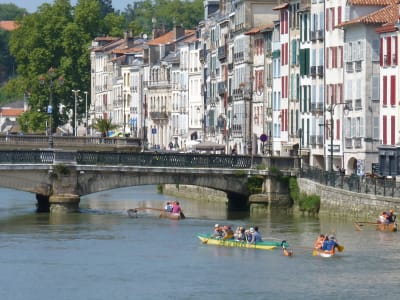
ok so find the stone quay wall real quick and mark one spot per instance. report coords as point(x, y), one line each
point(343, 203)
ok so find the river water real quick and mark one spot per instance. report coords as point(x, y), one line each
point(101, 253)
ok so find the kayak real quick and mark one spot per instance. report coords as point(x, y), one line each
point(390, 227)
point(208, 239)
point(323, 254)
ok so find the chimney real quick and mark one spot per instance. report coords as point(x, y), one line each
point(179, 32)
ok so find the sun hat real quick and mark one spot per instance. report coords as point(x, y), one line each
point(216, 225)
point(252, 229)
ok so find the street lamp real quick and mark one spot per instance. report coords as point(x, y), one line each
point(75, 122)
point(42, 79)
point(331, 110)
point(86, 112)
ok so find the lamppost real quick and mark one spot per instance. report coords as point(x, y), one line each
point(86, 113)
point(331, 110)
point(76, 92)
point(42, 79)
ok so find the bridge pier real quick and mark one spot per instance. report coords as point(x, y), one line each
point(275, 194)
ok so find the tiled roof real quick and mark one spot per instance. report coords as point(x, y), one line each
point(8, 25)
point(167, 38)
point(259, 29)
point(11, 112)
point(371, 2)
point(127, 50)
point(388, 14)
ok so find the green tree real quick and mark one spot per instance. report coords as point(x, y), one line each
point(11, 12)
point(58, 36)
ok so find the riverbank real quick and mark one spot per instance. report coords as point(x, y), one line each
point(343, 203)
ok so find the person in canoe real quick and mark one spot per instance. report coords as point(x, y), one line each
point(391, 216)
point(168, 207)
point(218, 232)
point(176, 209)
point(383, 218)
point(330, 244)
point(319, 243)
point(253, 236)
point(240, 234)
point(227, 232)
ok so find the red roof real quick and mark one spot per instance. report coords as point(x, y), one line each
point(8, 25)
point(167, 38)
point(11, 112)
point(386, 15)
point(371, 2)
point(256, 30)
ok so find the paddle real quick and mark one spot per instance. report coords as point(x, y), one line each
point(357, 226)
point(340, 248)
point(182, 215)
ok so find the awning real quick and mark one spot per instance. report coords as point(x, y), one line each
point(209, 146)
point(290, 146)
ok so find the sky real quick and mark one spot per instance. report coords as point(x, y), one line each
point(32, 5)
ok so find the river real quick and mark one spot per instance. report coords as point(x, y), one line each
point(101, 253)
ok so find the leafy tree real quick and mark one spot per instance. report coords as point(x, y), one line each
point(58, 36)
point(11, 12)
point(104, 126)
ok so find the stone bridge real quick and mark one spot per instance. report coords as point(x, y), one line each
point(59, 178)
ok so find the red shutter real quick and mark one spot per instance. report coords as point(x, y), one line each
point(384, 130)
point(393, 130)
point(381, 52)
point(341, 57)
point(339, 15)
point(388, 51)
point(333, 18)
point(395, 50)
point(340, 92)
point(384, 91)
point(393, 90)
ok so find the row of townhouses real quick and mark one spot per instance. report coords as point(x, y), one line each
point(314, 78)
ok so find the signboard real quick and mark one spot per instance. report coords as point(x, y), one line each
point(49, 109)
point(375, 168)
point(361, 167)
point(153, 130)
point(132, 121)
point(263, 137)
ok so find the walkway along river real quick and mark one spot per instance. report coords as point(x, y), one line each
point(101, 253)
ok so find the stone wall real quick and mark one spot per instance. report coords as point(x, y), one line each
point(338, 202)
point(194, 192)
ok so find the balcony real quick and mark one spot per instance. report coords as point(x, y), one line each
point(313, 71)
point(349, 67)
point(320, 35)
point(230, 67)
point(157, 115)
point(221, 53)
point(313, 36)
point(221, 88)
point(357, 66)
point(348, 143)
point(320, 140)
point(357, 104)
point(313, 140)
point(320, 71)
point(357, 143)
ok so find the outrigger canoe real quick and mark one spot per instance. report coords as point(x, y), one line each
point(266, 245)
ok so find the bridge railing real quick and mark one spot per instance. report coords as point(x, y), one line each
point(42, 141)
point(359, 184)
point(151, 159)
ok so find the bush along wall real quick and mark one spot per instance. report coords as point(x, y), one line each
point(306, 203)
